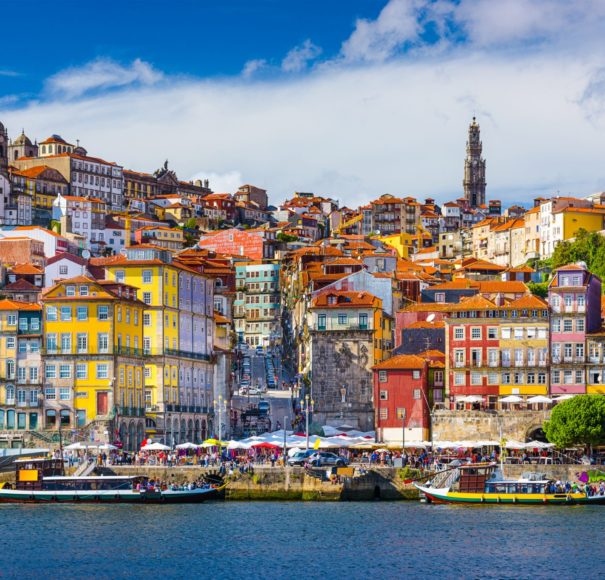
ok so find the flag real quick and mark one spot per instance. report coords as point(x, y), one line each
point(317, 444)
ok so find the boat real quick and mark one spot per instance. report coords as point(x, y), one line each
point(483, 483)
point(44, 481)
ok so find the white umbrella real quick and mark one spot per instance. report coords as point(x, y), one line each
point(563, 397)
point(511, 399)
point(539, 399)
point(155, 447)
point(107, 447)
point(187, 445)
point(538, 445)
point(473, 399)
point(514, 445)
point(237, 445)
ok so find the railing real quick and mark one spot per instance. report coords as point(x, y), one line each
point(343, 327)
point(128, 351)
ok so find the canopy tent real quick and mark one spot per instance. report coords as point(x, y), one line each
point(538, 445)
point(81, 445)
point(512, 444)
point(470, 399)
point(266, 445)
point(187, 445)
point(155, 447)
point(511, 399)
point(539, 399)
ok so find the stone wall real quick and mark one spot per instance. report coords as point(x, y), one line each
point(475, 425)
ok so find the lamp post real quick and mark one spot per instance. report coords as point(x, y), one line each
point(306, 408)
point(343, 396)
point(221, 403)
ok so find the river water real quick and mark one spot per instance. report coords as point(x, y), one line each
point(301, 540)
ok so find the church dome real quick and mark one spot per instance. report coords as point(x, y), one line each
point(23, 139)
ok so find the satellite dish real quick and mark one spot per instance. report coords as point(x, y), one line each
point(430, 318)
point(86, 254)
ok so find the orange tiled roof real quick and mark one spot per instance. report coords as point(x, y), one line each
point(7, 304)
point(401, 362)
point(347, 299)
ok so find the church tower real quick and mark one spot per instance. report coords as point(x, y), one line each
point(3, 149)
point(474, 168)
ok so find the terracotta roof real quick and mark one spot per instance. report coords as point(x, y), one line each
point(401, 362)
point(26, 269)
point(7, 304)
point(497, 286)
point(456, 284)
point(425, 324)
point(347, 300)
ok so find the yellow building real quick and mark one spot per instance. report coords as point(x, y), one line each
point(178, 341)
point(94, 356)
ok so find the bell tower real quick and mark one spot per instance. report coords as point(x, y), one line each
point(474, 167)
point(3, 149)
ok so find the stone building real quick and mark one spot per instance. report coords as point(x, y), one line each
point(22, 147)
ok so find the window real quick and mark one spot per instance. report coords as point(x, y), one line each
point(531, 378)
point(147, 276)
point(64, 372)
point(519, 333)
point(102, 371)
point(581, 301)
point(50, 371)
point(506, 333)
point(22, 346)
point(62, 270)
point(580, 326)
point(83, 290)
point(120, 275)
point(556, 377)
point(23, 325)
point(384, 395)
point(568, 299)
point(66, 343)
point(440, 297)
point(476, 333)
point(70, 290)
point(11, 320)
point(531, 332)
point(66, 313)
point(382, 376)
point(459, 333)
point(147, 297)
point(476, 378)
point(579, 377)
point(416, 394)
point(103, 342)
point(556, 325)
point(103, 312)
point(492, 378)
point(542, 378)
point(51, 313)
point(82, 313)
point(580, 350)
point(459, 378)
point(568, 325)
point(492, 333)
point(147, 374)
point(50, 393)
point(82, 342)
point(81, 371)
point(146, 319)
point(64, 394)
point(342, 319)
point(21, 374)
point(384, 414)
point(518, 378)
point(506, 378)
point(10, 342)
point(33, 374)
point(415, 374)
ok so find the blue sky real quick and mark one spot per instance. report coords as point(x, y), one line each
point(347, 98)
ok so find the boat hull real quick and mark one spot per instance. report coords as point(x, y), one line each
point(447, 496)
point(117, 496)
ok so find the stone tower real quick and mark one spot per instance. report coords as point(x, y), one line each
point(3, 149)
point(22, 147)
point(474, 168)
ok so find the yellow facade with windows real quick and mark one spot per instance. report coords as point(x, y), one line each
point(93, 349)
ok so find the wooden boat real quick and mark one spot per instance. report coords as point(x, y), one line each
point(43, 481)
point(482, 484)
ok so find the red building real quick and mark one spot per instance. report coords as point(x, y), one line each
point(255, 244)
point(401, 388)
point(219, 206)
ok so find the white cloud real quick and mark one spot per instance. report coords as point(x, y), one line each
point(378, 40)
point(221, 182)
point(253, 66)
point(299, 57)
point(395, 124)
point(102, 73)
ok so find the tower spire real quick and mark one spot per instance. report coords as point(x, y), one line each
point(474, 167)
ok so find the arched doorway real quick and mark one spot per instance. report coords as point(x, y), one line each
point(175, 432)
point(536, 434)
point(190, 430)
point(123, 436)
point(140, 435)
point(183, 437)
point(204, 431)
point(196, 434)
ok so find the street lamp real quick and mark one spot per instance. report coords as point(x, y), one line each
point(221, 404)
point(306, 408)
point(403, 413)
point(343, 395)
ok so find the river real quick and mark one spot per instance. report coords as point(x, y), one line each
point(301, 540)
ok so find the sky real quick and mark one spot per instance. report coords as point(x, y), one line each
point(346, 98)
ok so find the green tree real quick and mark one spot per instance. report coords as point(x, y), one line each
point(538, 288)
point(578, 421)
point(283, 237)
point(588, 247)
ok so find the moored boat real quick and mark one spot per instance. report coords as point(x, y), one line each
point(43, 481)
point(483, 484)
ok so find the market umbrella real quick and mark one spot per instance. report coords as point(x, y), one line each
point(539, 399)
point(514, 445)
point(265, 445)
point(107, 447)
point(473, 399)
point(511, 399)
point(187, 445)
point(563, 397)
point(155, 447)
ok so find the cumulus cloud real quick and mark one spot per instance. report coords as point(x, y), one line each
point(299, 57)
point(253, 66)
point(395, 122)
point(102, 73)
point(221, 182)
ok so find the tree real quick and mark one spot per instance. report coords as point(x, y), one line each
point(588, 247)
point(283, 237)
point(578, 421)
point(538, 289)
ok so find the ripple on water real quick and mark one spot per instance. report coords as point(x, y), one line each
point(300, 540)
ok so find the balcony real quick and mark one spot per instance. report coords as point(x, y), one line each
point(519, 363)
point(459, 364)
point(342, 327)
point(127, 351)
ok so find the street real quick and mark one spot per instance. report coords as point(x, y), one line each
point(279, 400)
